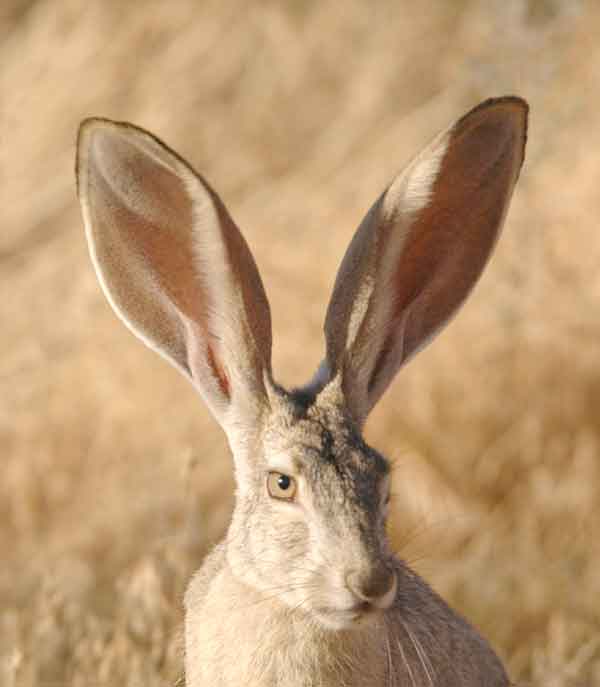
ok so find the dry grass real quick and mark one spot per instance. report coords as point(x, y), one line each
point(115, 481)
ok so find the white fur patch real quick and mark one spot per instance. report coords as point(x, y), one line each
point(412, 190)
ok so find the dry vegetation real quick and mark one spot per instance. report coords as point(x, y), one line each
point(115, 480)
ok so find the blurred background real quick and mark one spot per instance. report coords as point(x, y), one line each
point(115, 481)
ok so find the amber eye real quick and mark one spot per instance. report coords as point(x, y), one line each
point(281, 486)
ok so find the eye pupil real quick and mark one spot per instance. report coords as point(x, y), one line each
point(283, 482)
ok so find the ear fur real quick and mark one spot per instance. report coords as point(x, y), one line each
point(420, 250)
point(174, 266)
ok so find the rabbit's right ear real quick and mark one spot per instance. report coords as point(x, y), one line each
point(420, 250)
point(174, 266)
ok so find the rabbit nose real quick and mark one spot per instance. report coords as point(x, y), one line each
point(376, 586)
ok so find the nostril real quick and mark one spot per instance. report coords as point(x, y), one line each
point(376, 586)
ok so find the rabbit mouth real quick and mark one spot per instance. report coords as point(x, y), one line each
point(347, 618)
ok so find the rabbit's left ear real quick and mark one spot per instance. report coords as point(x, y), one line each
point(420, 250)
point(175, 267)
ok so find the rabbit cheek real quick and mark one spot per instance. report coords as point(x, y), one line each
point(275, 556)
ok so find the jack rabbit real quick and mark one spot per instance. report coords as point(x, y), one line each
point(304, 590)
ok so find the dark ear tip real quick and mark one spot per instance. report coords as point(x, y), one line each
point(511, 106)
point(507, 105)
point(509, 113)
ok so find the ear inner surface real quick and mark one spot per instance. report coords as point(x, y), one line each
point(137, 207)
point(452, 237)
point(421, 249)
point(173, 264)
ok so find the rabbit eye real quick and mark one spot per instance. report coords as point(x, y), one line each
point(281, 486)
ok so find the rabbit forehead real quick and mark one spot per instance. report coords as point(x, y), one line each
point(321, 443)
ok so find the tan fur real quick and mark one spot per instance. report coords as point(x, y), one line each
point(237, 636)
point(305, 591)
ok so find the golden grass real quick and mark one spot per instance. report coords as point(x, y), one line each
point(115, 480)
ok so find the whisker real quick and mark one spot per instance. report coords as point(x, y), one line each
point(442, 650)
point(420, 654)
point(391, 671)
point(406, 663)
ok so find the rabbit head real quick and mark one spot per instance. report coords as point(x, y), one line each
point(312, 496)
point(309, 522)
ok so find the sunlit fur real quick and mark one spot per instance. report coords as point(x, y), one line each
point(305, 591)
point(255, 613)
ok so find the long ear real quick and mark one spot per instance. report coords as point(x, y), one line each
point(174, 266)
point(420, 249)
